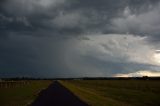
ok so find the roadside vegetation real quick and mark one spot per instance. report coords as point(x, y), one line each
point(116, 92)
point(20, 93)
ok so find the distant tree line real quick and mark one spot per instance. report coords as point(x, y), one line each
point(83, 78)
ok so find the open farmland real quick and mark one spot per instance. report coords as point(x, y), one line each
point(20, 93)
point(89, 92)
point(116, 92)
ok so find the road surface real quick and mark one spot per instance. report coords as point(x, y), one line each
point(57, 95)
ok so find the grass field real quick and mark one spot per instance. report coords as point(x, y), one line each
point(116, 92)
point(20, 93)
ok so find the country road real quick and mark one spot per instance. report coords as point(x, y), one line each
point(57, 95)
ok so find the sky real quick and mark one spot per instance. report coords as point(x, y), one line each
point(79, 38)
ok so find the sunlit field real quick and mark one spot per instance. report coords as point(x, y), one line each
point(116, 92)
point(20, 93)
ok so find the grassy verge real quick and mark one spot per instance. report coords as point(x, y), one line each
point(22, 95)
point(116, 92)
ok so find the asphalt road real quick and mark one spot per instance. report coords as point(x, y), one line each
point(57, 95)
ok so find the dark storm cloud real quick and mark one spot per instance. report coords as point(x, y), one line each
point(73, 16)
point(33, 33)
point(30, 56)
point(14, 56)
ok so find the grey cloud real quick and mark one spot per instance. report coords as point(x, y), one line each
point(85, 17)
point(30, 7)
point(4, 18)
point(112, 53)
point(146, 23)
point(57, 38)
point(72, 19)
